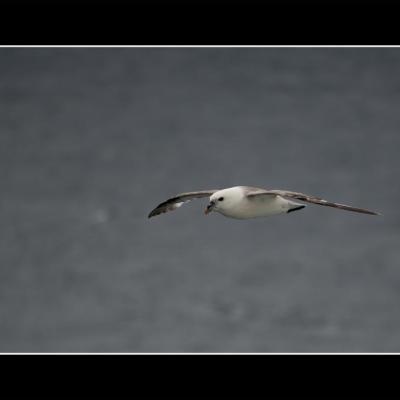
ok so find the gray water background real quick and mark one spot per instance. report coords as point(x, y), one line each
point(92, 139)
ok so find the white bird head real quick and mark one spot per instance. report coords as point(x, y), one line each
point(223, 200)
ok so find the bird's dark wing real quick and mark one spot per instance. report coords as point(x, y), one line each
point(175, 202)
point(307, 198)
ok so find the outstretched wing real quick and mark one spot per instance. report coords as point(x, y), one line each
point(175, 202)
point(309, 199)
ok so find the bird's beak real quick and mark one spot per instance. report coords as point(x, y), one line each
point(209, 208)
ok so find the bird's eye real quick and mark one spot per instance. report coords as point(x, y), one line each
point(220, 199)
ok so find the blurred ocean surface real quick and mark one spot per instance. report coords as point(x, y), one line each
point(92, 139)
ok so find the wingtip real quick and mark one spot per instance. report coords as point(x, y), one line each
point(369, 212)
point(153, 213)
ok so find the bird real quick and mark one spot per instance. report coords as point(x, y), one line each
point(245, 202)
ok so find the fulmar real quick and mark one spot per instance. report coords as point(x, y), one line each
point(244, 202)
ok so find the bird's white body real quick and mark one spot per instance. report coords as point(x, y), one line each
point(237, 205)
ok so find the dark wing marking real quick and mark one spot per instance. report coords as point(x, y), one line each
point(175, 202)
point(309, 199)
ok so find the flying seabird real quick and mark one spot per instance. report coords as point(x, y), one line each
point(243, 202)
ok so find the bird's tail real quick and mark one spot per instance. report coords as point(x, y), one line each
point(293, 206)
